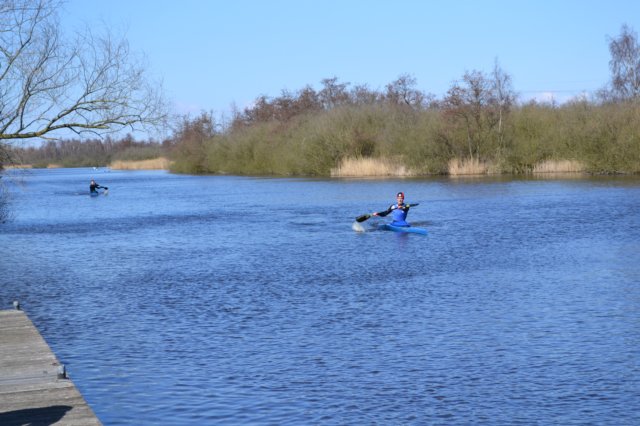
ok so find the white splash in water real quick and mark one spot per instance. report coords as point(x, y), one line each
point(357, 227)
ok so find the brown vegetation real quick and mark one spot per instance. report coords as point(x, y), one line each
point(559, 166)
point(152, 164)
point(370, 167)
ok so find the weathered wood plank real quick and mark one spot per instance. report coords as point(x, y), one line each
point(30, 390)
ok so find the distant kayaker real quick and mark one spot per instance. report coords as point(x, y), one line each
point(398, 211)
point(93, 186)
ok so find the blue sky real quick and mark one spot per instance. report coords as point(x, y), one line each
point(210, 54)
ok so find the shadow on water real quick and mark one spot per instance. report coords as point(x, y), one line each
point(43, 416)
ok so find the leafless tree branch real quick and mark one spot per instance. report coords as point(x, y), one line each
point(89, 84)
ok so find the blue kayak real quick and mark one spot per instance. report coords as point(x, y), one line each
point(406, 229)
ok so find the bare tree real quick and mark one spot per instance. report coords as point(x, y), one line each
point(465, 103)
point(48, 83)
point(362, 95)
point(403, 92)
point(479, 104)
point(625, 66)
point(333, 94)
point(307, 100)
point(503, 96)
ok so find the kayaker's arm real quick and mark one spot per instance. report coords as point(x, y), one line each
point(391, 208)
point(406, 207)
point(384, 213)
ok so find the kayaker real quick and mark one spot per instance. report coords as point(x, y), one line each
point(93, 186)
point(398, 211)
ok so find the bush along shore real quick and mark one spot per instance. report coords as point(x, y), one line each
point(379, 137)
point(385, 139)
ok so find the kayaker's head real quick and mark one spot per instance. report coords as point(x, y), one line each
point(400, 197)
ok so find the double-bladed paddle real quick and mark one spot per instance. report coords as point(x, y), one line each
point(363, 217)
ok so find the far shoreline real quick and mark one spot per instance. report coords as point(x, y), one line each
point(379, 169)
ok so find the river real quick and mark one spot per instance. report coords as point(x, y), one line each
point(245, 300)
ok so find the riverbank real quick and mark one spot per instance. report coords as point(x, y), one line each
point(160, 163)
point(379, 168)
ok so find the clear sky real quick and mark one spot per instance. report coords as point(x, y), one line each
point(212, 53)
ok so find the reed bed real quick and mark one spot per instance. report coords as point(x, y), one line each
point(152, 164)
point(559, 166)
point(17, 166)
point(470, 166)
point(370, 167)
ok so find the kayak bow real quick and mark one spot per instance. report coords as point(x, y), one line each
point(405, 229)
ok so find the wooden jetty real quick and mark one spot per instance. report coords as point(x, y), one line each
point(34, 387)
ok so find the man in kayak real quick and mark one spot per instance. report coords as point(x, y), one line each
point(398, 211)
point(93, 186)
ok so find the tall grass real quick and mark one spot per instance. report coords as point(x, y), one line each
point(470, 166)
point(152, 164)
point(559, 166)
point(370, 167)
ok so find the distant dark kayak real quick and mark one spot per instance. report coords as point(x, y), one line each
point(405, 229)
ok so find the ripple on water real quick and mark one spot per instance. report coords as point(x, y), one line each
point(520, 306)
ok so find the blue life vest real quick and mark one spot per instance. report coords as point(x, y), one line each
point(399, 216)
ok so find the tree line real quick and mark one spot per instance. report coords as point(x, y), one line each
point(92, 152)
point(479, 119)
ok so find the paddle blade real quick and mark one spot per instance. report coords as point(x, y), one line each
point(363, 217)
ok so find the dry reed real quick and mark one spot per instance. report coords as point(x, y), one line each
point(370, 167)
point(559, 166)
point(469, 166)
point(17, 166)
point(153, 164)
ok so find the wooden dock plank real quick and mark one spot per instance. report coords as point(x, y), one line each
point(30, 390)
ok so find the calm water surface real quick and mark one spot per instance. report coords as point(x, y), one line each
point(228, 300)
